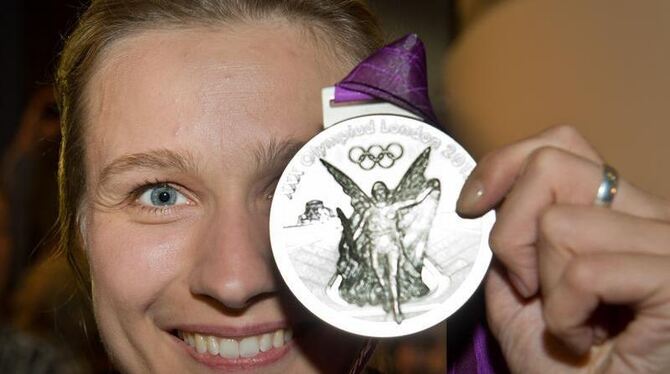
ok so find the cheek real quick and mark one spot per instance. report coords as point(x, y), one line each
point(132, 264)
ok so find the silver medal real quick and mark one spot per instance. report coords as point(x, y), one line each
point(363, 224)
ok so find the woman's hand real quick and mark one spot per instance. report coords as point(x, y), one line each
point(575, 286)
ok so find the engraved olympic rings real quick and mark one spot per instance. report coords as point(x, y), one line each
point(375, 155)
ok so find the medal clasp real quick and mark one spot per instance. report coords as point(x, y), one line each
point(337, 112)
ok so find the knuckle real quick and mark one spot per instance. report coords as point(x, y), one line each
point(555, 224)
point(567, 133)
point(570, 139)
point(579, 274)
point(543, 158)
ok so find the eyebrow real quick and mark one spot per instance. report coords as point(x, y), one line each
point(269, 156)
point(276, 153)
point(157, 159)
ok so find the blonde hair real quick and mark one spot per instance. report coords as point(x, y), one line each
point(345, 25)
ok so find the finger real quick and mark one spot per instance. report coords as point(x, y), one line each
point(552, 176)
point(503, 303)
point(569, 231)
point(543, 183)
point(495, 174)
point(641, 281)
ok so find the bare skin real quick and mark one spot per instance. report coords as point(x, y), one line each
point(208, 118)
point(561, 260)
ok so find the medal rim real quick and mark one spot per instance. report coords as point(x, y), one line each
point(359, 326)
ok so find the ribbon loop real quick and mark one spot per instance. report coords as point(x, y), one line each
point(395, 74)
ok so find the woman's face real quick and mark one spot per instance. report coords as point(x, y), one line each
point(188, 131)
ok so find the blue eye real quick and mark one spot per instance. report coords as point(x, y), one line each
point(161, 196)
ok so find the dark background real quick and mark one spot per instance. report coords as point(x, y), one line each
point(31, 38)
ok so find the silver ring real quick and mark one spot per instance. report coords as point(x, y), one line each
point(608, 187)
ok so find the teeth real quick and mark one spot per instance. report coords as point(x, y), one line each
point(200, 344)
point(278, 339)
point(265, 343)
point(212, 345)
point(229, 348)
point(288, 336)
point(249, 347)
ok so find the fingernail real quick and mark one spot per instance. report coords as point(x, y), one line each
point(519, 285)
point(472, 192)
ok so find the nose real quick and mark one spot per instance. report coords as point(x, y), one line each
point(234, 263)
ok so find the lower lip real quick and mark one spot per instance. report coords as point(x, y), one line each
point(238, 364)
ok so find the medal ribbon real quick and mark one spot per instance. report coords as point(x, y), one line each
point(397, 74)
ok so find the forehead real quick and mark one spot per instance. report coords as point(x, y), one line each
point(209, 88)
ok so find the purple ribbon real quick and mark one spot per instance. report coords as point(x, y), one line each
point(395, 74)
point(476, 358)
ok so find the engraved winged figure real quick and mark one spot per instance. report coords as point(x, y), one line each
point(383, 242)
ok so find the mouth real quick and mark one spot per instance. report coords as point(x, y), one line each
point(240, 347)
point(233, 350)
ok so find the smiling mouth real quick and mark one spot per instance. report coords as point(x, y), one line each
point(235, 348)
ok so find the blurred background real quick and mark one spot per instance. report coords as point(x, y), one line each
point(499, 70)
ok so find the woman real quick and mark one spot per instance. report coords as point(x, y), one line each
point(178, 118)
